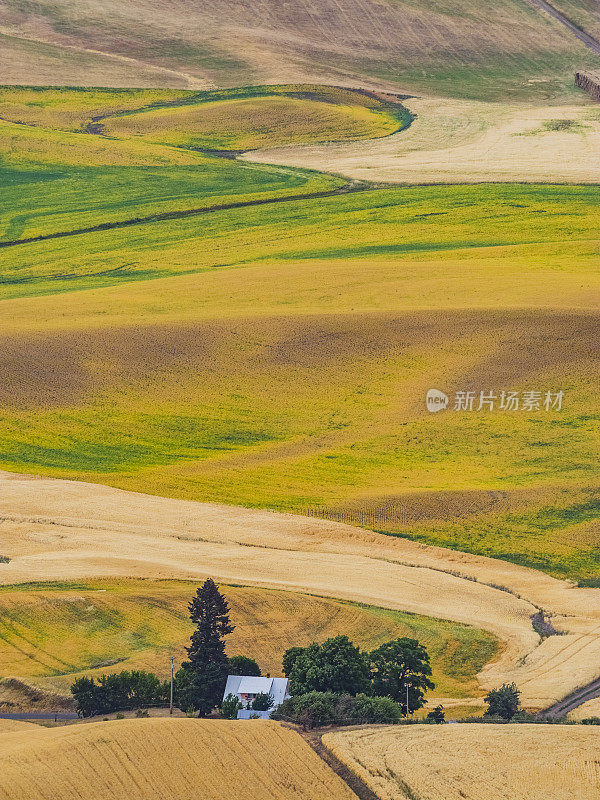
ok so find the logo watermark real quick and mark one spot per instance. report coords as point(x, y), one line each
point(489, 400)
point(436, 400)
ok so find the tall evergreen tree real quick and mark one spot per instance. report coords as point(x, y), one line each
point(201, 680)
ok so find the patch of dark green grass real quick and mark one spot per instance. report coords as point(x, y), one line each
point(128, 441)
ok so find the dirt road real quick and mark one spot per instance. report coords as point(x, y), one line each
point(573, 700)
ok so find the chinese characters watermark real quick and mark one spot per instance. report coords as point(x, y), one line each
point(490, 400)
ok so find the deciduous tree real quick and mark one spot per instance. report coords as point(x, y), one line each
point(503, 702)
point(337, 665)
point(398, 666)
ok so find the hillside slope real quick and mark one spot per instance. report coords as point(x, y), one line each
point(52, 632)
point(473, 762)
point(464, 48)
point(72, 530)
point(161, 759)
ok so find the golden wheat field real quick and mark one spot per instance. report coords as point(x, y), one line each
point(125, 759)
point(585, 711)
point(473, 762)
point(66, 530)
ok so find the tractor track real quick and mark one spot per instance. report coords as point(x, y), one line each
point(348, 188)
point(588, 40)
point(573, 700)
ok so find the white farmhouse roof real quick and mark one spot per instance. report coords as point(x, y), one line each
point(251, 685)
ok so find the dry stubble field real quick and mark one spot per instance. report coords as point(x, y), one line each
point(465, 141)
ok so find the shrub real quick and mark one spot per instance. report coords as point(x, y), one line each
point(230, 707)
point(523, 716)
point(503, 702)
point(4, 560)
point(311, 710)
point(591, 721)
point(437, 715)
point(121, 691)
point(262, 702)
point(318, 709)
point(370, 710)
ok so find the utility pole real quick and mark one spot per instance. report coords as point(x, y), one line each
point(407, 710)
point(172, 671)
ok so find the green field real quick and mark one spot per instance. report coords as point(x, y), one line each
point(51, 632)
point(278, 355)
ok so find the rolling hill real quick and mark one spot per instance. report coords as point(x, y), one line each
point(73, 531)
point(464, 48)
point(216, 760)
point(51, 633)
point(180, 322)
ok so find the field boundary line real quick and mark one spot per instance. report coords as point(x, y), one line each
point(350, 778)
point(192, 212)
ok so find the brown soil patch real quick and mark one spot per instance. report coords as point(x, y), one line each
point(45, 369)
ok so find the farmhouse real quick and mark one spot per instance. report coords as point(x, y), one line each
point(246, 687)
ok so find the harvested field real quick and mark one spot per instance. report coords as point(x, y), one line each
point(72, 531)
point(52, 632)
point(464, 141)
point(474, 762)
point(508, 49)
point(134, 758)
